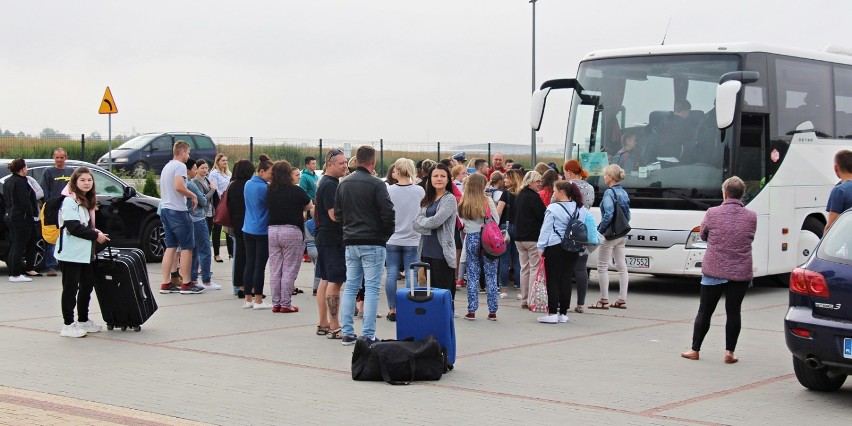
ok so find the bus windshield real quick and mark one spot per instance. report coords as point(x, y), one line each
point(655, 117)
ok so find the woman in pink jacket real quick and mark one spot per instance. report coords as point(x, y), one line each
point(727, 266)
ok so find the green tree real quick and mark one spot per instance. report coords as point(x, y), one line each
point(150, 188)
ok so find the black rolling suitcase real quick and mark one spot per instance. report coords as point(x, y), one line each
point(121, 284)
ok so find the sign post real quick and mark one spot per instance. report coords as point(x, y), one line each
point(108, 107)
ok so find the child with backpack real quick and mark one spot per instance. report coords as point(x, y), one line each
point(473, 208)
point(75, 251)
point(559, 250)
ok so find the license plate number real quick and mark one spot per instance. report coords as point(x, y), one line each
point(847, 347)
point(639, 262)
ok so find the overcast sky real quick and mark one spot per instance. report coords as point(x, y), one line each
point(402, 70)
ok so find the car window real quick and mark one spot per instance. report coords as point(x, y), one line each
point(162, 143)
point(107, 185)
point(837, 244)
point(204, 142)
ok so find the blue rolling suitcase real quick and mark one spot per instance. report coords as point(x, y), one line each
point(425, 311)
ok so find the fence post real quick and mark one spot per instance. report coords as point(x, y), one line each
point(251, 149)
point(439, 151)
point(320, 158)
point(381, 157)
point(83, 147)
point(489, 154)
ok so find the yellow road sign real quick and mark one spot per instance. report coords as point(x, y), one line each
point(108, 104)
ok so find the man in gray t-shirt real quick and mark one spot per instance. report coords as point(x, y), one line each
point(53, 181)
point(177, 224)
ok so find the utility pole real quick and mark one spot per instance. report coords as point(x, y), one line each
point(532, 131)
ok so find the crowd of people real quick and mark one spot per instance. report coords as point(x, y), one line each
point(358, 229)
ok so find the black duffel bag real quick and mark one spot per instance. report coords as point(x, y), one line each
point(398, 362)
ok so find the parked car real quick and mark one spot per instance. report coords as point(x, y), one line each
point(130, 219)
point(818, 325)
point(152, 151)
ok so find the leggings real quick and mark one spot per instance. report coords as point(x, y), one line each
point(257, 253)
point(239, 261)
point(710, 294)
point(558, 268)
point(77, 282)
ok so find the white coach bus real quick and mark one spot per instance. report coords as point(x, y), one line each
point(783, 114)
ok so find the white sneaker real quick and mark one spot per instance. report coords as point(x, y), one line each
point(248, 305)
point(504, 295)
point(212, 286)
point(71, 330)
point(521, 297)
point(563, 319)
point(89, 326)
point(549, 319)
point(264, 305)
point(20, 279)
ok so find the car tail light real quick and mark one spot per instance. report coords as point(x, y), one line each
point(809, 283)
point(801, 332)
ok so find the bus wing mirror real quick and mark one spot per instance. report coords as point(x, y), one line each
point(539, 98)
point(726, 103)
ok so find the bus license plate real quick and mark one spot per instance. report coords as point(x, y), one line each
point(638, 262)
point(847, 347)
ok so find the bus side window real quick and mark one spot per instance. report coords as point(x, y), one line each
point(804, 94)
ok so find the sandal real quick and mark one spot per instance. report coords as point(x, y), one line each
point(335, 334)
point(600, 304)
point(579, 309)
point(619, 304)
point(322, 330)
point(297, 290)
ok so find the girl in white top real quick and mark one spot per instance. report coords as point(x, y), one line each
point(474, 205)
point(75, 250)
point(221, 177)
point(402, 245)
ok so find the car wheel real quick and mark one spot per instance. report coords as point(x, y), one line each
point(817, 379)
point(140, 170)
point(153, 242)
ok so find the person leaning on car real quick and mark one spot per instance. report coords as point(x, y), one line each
point(727, 266)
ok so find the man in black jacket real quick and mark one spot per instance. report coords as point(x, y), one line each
point(365, 210)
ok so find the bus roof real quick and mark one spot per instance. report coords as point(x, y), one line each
point(739, 47)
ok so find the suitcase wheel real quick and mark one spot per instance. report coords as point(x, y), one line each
point(110, 326)
point(137, 328)
point(123, 328)
point(449, 366)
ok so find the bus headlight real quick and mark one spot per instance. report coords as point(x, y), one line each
point(694, 240)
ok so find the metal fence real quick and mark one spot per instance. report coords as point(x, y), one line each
point(293, 150)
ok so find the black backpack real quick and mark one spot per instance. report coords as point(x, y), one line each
point(576, 234)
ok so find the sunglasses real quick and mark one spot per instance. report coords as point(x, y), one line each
point(332, 153)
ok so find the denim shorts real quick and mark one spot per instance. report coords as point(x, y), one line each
point(178, 228)
point(331, 263)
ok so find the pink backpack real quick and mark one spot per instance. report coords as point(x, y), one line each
point(494, 240)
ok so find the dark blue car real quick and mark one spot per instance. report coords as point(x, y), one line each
point(818, 325)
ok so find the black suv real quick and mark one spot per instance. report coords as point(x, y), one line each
point(152, 151)
point(130, 219)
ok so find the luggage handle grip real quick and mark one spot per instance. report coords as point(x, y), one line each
point(425, 266)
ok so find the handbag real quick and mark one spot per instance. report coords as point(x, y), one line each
point(398, 362)
point(618, 226)
point(222, 216)
point(538, 296)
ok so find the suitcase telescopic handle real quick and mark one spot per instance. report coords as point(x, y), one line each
point(425, 266)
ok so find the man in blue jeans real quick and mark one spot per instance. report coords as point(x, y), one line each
point(53, 181)
point(364, 209)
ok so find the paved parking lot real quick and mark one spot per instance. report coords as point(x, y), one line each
point(202, 358)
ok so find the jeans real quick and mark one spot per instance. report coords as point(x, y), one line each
point(396, 255)
point(510, 257)
point(201, 254)
point(367, 263)
point(50, 261)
